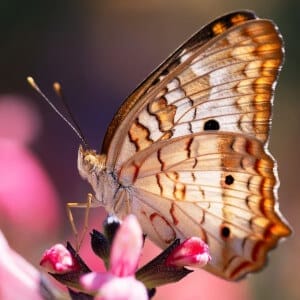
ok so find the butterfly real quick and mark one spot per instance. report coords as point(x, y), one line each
point(187, 151)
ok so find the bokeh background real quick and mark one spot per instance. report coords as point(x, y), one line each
point(100, 51)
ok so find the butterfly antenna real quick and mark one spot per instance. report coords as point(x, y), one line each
point(58, 90)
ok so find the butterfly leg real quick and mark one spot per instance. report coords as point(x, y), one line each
point(87, 205)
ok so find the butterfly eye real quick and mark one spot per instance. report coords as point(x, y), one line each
point(89, 162)
point(211, 125)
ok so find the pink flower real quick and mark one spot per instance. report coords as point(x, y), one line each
point(59, 260)
point(126, 248)
point(193, 252)
point(111, 287)
point(26, 191)
point(18, 278)
point(119, 282)
point(20, 119)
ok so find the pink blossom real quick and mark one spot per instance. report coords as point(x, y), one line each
point(126, 249)
point(119, 282)
point(18, 278)
point(26, 191)
point(115, 288)
point(19, 119)
point(59, 260)
point(193, 252)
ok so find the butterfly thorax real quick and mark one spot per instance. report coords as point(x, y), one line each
point(92, 167)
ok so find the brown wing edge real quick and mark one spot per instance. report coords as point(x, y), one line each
point(206, 33)
point(250, 268)
point(263, 249)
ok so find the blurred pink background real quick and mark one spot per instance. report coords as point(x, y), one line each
point(100, 51)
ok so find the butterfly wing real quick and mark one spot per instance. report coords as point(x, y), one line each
point(190, 145)
point(218, 186)
point(229, 68)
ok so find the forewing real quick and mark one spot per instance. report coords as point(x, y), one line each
point(222, 79)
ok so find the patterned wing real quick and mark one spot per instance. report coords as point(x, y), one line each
point(223, 79)
point(219, 186)
point(190, 143)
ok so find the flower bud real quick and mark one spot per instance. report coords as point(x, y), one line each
point(193, 252)
point(58, 260)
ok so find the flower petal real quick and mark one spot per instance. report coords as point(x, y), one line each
point(19, 119)
point(59, 260)
point(125, 288)
point(18, 278)
point(93, 281)
point(26, 194)
point(192, 252)
point(126, 248)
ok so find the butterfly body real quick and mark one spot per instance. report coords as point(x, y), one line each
point(187, 151)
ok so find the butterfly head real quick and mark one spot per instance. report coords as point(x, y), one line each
point(92, 167)
point(89, 162)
